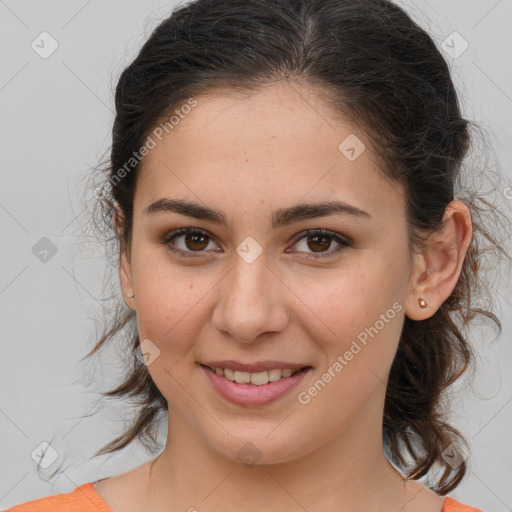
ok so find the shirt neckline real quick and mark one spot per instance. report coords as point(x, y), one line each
point(90, 490)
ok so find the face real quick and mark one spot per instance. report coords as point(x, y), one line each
point(263, 286)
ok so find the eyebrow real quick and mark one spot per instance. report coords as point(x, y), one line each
point(280, 217)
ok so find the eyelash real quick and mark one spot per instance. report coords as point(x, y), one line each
point(344, 242)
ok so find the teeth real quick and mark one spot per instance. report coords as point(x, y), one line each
point(274, 375)
point(259, 378)
point(256, 378)
point(242, 377)
point(228, 374)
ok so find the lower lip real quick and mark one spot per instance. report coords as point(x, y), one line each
point(249, 394)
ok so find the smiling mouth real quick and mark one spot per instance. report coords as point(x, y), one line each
point(256, 378)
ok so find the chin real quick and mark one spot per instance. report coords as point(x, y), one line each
point(258, 449)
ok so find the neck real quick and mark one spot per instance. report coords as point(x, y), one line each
point(348, 473)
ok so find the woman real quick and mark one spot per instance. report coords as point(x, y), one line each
point(295, 260)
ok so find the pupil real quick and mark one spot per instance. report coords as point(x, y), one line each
point(195, 238)
point(319, 237)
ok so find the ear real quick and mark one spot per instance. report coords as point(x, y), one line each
point(125, 273)
point(437, 268)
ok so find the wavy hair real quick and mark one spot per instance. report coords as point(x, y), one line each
point(380, 71)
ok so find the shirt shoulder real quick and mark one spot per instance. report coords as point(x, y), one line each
point(83, 499)
point(452, 505)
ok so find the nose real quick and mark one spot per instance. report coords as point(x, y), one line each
point(252, 301)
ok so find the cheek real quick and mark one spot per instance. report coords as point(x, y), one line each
point(168, 295)
point(344, 302)
point(361, 335)
point(170, 313)
point(356, 315)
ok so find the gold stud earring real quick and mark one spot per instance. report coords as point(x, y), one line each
point(422, 304)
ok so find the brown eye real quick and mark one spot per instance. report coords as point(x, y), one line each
point(319, 241)
point(187, 241)
point(196, 242)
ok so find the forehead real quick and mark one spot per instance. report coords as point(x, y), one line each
point(279, 144)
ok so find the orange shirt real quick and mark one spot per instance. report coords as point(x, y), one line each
point(85, 499)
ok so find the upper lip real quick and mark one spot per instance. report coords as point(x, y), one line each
point(260, 366)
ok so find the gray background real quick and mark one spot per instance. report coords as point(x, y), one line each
point(55, 121)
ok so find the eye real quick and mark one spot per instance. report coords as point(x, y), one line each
point(193, 241)
point(319, 240)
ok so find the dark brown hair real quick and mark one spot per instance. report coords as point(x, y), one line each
point(382, 72)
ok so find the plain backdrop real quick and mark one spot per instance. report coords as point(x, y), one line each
point(56, 113)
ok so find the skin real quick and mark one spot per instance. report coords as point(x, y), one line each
point(248, 156)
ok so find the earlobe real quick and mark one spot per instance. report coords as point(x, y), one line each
point(422, 303)
point(437, 269)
